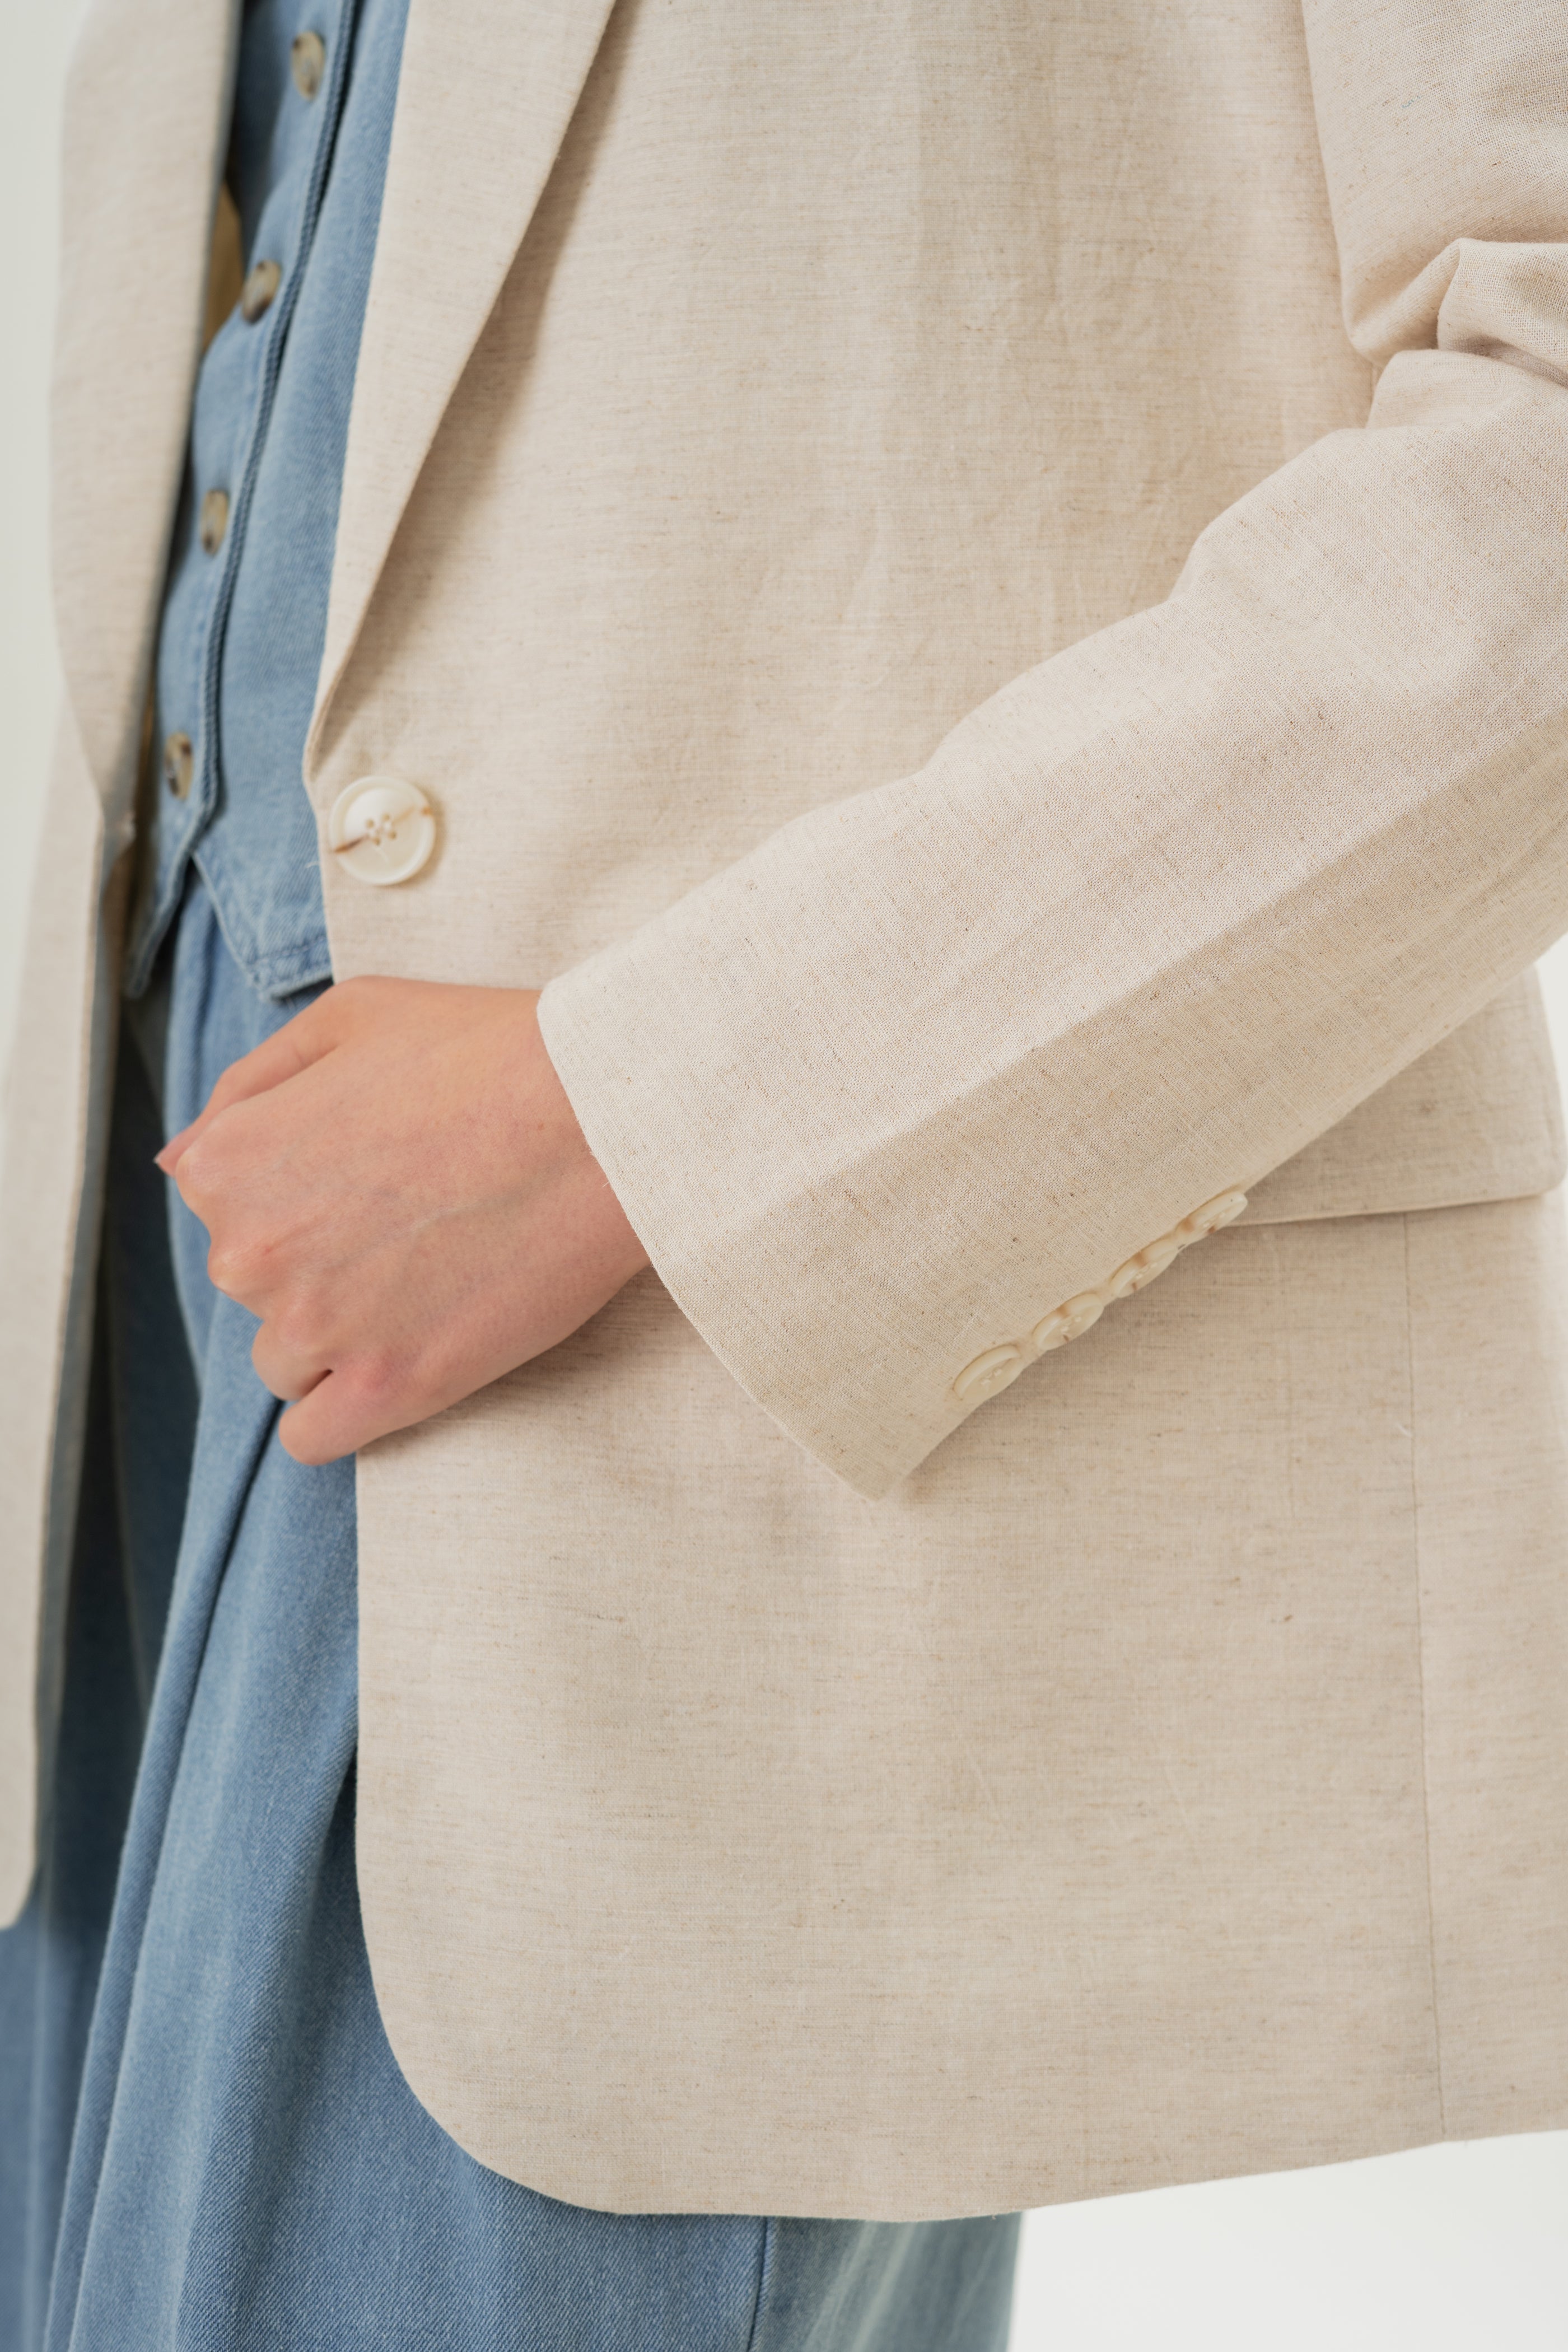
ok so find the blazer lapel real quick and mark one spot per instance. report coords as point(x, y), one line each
point(146, 119)
point(487, 91)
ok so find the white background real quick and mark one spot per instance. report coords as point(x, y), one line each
point(1448, 2250)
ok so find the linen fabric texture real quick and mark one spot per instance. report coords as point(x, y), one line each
point(981, 597)
point(204, 2139)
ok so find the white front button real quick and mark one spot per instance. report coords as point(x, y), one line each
point(382, 829)
point(989, 1372)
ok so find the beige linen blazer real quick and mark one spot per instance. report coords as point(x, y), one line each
point(980, 589)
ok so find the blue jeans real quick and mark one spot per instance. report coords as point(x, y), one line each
point(206, 2144)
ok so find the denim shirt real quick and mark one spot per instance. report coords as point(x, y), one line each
point(245, 611)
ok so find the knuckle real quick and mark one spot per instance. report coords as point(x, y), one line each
point(191, 1174)
point(233, 1266)
point(221, 1272)
point(202, 1173)
point(296, 1326)
point(269, 1371)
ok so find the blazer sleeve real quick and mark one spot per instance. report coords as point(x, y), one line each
point(938, 1058)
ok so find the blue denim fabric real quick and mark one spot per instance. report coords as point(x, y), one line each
point(242, 629)
point(206, 2144)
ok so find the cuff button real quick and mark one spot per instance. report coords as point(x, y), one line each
point(1223, 1210)
point(1144, 1266)
point(1067, 1322)
point(988, 1374)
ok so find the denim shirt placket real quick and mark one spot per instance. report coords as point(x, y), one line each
point(233, 409)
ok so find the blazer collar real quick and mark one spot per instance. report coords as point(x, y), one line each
point(487, 91)
point(146, 118)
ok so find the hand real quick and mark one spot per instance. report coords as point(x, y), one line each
point(396, 1185)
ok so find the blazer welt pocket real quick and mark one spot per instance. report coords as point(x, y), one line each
point(1477, 1119)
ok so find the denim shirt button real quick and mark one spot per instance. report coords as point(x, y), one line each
point(261, 283)
point(307, 62)
point(213, 521)
point(179, 764)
